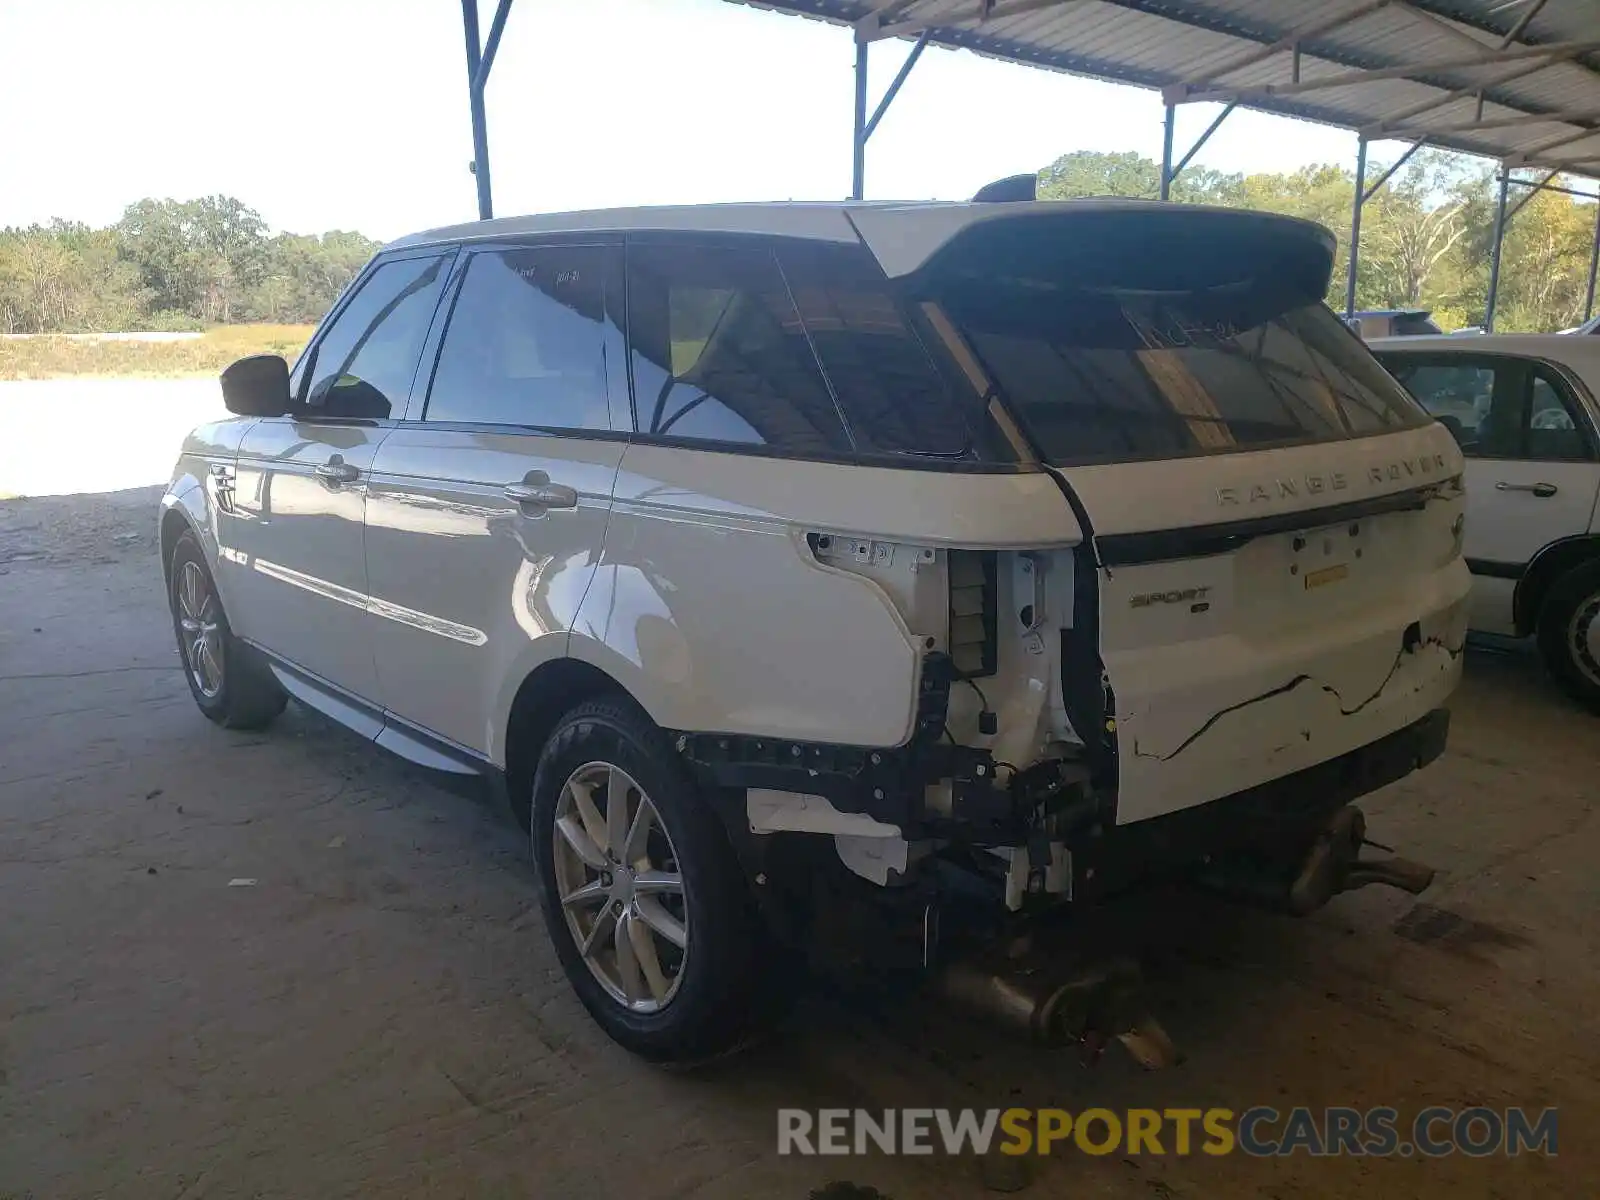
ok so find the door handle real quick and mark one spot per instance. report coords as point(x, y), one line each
point(336, 470)
point(542, 495)
point(1542, 490)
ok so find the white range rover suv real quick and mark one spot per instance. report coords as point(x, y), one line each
point(798, 569)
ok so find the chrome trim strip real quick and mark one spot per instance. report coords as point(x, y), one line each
point(426, 622)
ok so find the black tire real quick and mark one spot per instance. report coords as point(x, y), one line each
point(718, 1003)
point(1572, 603)
point(248, 696)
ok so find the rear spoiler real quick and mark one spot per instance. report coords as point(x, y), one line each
point(1139, 244)
point(1010, 189)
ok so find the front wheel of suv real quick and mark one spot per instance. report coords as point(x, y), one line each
point(641, 891)
point(1569, 633)
point(228, 682)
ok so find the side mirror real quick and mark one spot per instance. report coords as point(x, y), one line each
point(257, 386)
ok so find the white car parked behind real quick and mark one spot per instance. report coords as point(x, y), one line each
point(1523, 407)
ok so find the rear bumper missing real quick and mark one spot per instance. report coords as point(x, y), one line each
point(1276, 822)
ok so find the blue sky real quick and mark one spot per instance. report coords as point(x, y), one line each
point(353, 113)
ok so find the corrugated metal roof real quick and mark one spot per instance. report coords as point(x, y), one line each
point(1515, 80)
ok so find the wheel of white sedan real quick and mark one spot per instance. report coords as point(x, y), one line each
point(1569, 633)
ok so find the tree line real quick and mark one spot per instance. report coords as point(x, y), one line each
point(1426, 240)
point(1426, 235)
point(171, 265)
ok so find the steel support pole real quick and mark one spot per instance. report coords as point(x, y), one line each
point(1355, 228)
point(1200, 142)
point(1494, 257)
point(1594, 263)
point(492, 46)
point(480, 128)
point(1398, 163)
point(858, 171)
point(1166, 150)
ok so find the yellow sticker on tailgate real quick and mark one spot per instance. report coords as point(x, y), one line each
point(1316, 579)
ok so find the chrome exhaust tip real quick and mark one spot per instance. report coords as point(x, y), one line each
point(1332, 865)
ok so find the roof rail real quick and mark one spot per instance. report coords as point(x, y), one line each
point(1014, 187)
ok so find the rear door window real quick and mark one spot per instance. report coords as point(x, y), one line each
point(1104, 374)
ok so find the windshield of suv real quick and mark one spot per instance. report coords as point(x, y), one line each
point(1105, 373)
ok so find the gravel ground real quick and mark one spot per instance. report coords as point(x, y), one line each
point(380, 1012)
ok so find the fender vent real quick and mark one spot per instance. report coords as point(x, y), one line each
point(974, 603)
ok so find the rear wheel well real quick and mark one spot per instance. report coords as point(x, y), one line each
point(551, 691)
point(1549, 565)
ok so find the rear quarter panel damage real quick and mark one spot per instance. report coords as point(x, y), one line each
point(711, 607)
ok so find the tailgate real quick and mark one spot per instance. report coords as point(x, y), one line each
point(1240, 651)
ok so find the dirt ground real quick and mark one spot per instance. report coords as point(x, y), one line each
point(379, 1012)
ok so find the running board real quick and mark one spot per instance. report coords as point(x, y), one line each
point(374, 724)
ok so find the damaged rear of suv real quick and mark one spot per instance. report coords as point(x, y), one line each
point(829, 576)
point(1187, 584)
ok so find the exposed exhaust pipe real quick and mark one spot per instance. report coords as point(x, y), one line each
point(1061, 1005)
point(1332, 865)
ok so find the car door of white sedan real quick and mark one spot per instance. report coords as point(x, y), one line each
point(1532, 475)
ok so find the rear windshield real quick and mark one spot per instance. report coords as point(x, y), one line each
point(1112, 374)
point(1138, 332)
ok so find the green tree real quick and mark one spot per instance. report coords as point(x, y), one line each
point(1426, 235)
point(65, 276)
point(1094, 173)
point(197, 256)
point(171, 264)
point(301, 275)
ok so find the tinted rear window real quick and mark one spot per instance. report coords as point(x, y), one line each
point(797, 347)
point(1106, 374)
point(894, 398)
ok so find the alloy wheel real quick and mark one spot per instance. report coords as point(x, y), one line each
point(617, 875)
point(200, 625)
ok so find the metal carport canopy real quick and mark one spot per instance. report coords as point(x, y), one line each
point(1515, 80)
